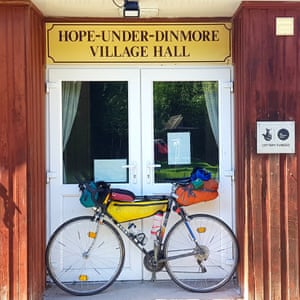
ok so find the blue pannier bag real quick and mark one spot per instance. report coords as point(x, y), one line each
point(199, 173)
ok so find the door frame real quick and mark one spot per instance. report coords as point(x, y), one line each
point(66, 196)
point(226, 206)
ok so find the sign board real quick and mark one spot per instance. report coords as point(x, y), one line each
point(276, 137)
point(138, 42)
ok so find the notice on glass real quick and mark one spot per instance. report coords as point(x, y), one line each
point(179, 148)
point(110, 170)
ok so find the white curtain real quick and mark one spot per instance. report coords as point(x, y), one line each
point(210, 89)
point(70, 99)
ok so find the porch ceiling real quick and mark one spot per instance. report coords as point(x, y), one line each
point(148, 8)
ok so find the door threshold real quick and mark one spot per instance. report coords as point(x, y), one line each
point(149, 290)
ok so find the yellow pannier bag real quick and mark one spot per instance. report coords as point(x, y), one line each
point(128, 211)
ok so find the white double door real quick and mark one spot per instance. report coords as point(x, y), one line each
point(140, 170)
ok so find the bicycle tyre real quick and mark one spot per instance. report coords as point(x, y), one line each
point(84, 257)
point(208, 269)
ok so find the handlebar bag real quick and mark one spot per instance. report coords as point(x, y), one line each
point(94, 193)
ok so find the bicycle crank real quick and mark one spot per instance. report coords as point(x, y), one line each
point(150, 263)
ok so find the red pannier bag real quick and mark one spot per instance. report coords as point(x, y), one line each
point(122, 195)
point(187, 195)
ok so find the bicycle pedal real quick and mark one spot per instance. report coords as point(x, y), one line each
point(202, 269)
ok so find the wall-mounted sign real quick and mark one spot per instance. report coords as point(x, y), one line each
point(285, 26)
point(276, 137)
point(138, 42)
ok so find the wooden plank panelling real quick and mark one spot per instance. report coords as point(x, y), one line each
point(36, 155)
point(267, 80)
point(22, 161)
point(13, 214)
point(5, 208)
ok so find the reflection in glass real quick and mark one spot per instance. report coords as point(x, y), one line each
point(95, 119)
point(185, 128)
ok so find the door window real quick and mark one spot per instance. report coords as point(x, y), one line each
point(95, 130)
point(185, 128)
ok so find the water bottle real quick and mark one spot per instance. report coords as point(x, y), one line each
point(137, 234)
point(157, 221)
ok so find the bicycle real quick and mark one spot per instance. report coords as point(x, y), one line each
point(85, 255)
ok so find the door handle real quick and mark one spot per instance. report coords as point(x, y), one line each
point(129, 166)
point(132, 167)
point(150, 167)
point(154, 166)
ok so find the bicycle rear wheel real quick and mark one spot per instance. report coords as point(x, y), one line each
point(207, 264)
point(84, 257)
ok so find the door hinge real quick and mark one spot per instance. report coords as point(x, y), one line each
point(51, 85)
point(229, 173)
point(228, 85)
point(50, 175)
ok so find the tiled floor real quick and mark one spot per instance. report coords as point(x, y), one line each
point(148, 290)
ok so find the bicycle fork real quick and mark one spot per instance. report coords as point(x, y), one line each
point(201, 252)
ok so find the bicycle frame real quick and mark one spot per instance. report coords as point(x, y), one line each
point(158, 242)
point(100, 214)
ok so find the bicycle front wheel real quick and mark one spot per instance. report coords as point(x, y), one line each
point(84, 257)
point(203, 264)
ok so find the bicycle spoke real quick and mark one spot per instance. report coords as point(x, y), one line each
point(207, 268)
point(83, 257)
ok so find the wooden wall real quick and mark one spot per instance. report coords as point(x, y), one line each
point(22, 152)
point(267, 88)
